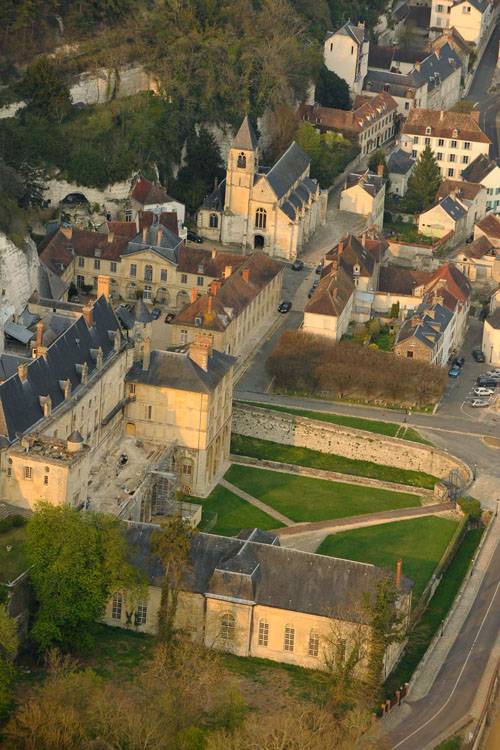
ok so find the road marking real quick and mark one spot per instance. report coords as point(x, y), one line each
point(429, 721)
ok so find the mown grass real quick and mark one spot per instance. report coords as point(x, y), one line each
point(390, 429)
point(255, 448)
point(436, 612)
point(227, 514)
point(419, 543)
point(305, 499)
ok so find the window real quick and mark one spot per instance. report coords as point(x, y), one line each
point(146, 293)
point(184, 278)
point(465, 159)
point(213, 221)
point(451, 172)
point(187, 469)
point(415, 139)
point(116, 607)
point(427, 130)
point(313, 643)
point(242, 161)
point(466, 9)
point(133, 269)
point(97, 264)
point(407, 105)
point(427, 141)
point(112, 266)
point(28, 472)
point(148, 273)
point(148, 410)
point(81, 262)
point(163, 274)
point(414, 154)
point(131, 388)
point(453, 144)
point(439, 156)
point(260, 218)
point(141, 614)
point(128, 214)
point(80, 281)
point(200, 280)
point(440, 141)
point(352, 50)
point(452, 157)
point(289, 642)
point(439, 9)
point(45, 479)
point(263, 633)
point(227, 626)
point(409, 354)
point(467, 146)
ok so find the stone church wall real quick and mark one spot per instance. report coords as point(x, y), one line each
point(266, 424)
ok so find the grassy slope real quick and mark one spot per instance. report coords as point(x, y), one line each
point(255, 448)
point(419, 542)
point(305, 499)
point(233, 514)
point(12, 563)
point(370, 425)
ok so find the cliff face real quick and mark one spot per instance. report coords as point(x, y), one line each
point(18, 278)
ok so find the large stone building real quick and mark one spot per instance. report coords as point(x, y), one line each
point(251, 597)
point(471, 18)
point(486, 172)
point(275, 210)
point(345, 52)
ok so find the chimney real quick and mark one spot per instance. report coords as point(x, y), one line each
point(380, 170)
point(111, 237)
point(65, 386)
point(158, 235)
point(138, 222)
point(22, 371)
point(194, 295)
point(88, 314)
point(40, 351)
point(215, 286)
point(145, 234)
point(209, 304)
point(340, 248)
point(146, 353)
point(46, 404)
point(441, 116)
point(67, 231)
point(103, 286)
point(417, 66)
point(246, 275)
point(363, 239)
point(83, 371)
point(200, 350)
point(39, 334)
point(228, 271)
point(213, 253)
point(399, 570)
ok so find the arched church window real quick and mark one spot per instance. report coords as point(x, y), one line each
point(260, 218)
point(214, 221)
point(242, 161)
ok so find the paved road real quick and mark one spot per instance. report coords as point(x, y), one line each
point(489, 104)
point(454, 690)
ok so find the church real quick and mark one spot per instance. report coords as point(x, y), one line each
point(275, 210)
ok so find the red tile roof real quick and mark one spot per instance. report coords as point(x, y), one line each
point(461, 189)
point(207, 262)
point(490, 225)
point(146, 192)
point(443, 124)
point(60, 250)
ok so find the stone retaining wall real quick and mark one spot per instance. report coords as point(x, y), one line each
point(361, 445)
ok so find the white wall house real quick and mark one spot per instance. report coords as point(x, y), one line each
point(491, 339)
point(346, 54)
point(448, 215)
point(471, 18)
point(365, 194)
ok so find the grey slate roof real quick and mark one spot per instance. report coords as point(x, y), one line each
point(49, 284)
point(398, 84)
point(400, 162)
point(494, 319)
point(20, 407)
point(267, 574)
point(288, 169)
point(246, 138)
point(357, 33)
point(9, 363)
point(141, 312)
point(289, 210)
point(216, 199)
point(428, 324)
point(167, 246)
point(175, 369)
point(438, 66)
point(453, 208)
point(370, 182)
point(478, 169)
point(18, 332)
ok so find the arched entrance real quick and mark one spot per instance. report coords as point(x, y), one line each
point(258, 242)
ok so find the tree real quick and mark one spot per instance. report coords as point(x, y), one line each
point(8, 649)
point(378, 157)
point(78, 562)
point(203, 166)
point(171, 544)
point(423, 183)
point(45, 91)
point(331, 90)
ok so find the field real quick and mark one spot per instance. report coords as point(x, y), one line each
point(255, 448)
point(225, 513)
point(419, 543)
point(304, 499)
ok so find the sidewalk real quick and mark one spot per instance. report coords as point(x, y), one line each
point(257, 503)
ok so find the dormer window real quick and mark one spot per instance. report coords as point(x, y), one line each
point(427, 131)
point(455, 133)
point(242, 161)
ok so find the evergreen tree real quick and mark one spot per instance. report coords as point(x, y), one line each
point(378, 157)
point(332, 91)
point(45, 91)
point(424, 182)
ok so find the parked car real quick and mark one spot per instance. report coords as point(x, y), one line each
point(483, 391)
point(311, 292)
point(454, 371)
point(480, 402)
point(315, 283)
point(169, 317)
point(459, 361)
point(319, 268)
point(297, 265)
point(155, 313)
point(484, 382)
point(284, 307)
point(493, 374)
point(193, 237)
point(478, 355)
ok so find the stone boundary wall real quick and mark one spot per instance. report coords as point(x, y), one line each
point(427, 496)
point(290, 429)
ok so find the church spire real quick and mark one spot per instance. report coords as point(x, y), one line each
point(246, 138)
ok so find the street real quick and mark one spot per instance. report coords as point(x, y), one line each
point(489, 104)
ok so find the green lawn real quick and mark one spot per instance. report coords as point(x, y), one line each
point(13, 562)
point(435, 613)
point(419, 543)
point(370, 425)
point(290, 454)
point(305, 499)
point(233, 514)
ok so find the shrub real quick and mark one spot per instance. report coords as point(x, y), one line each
point(471, 507)
point(12, 522)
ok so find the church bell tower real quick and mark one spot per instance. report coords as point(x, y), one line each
point(241, 169)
